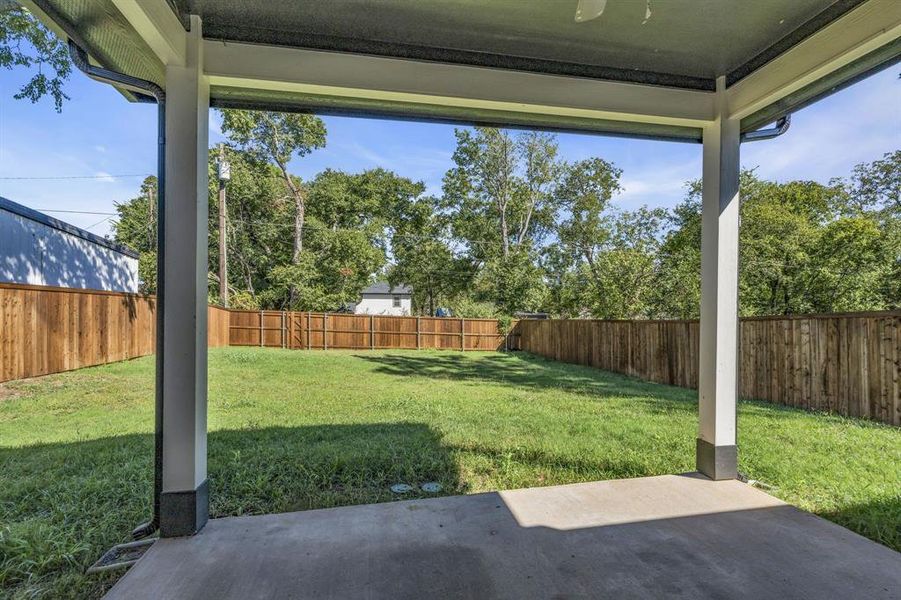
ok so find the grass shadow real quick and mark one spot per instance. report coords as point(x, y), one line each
point(879, 519)
point(521, 369)
point(63, 504)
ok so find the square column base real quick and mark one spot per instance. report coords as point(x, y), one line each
point(716, 462)
point(184, 513)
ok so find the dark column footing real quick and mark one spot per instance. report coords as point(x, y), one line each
point(184, 513)
point(717, 462)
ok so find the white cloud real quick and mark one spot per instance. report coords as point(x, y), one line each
point(104, 177)
point(364, 153)
point(656, 185)
point(825, 140)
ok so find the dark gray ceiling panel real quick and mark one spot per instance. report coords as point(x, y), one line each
point(683, 43)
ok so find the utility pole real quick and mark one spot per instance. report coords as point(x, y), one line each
point(224, 176)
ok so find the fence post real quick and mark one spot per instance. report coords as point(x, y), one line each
point(283, 329)
point(290, 330)
point(417, 333)
point(463, 334)
point(308, 330)
point(261, 329)
point(325, 331)
point(371, 332)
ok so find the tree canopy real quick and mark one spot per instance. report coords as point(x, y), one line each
point(26, 43)
point(516, 228)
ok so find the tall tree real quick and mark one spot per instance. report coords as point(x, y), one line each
point(678, 283)
point(610, 276)
point(804, 246)
point(423, 257)
point(622, 284)
point(500, 201)
point(536, 207)
point(501, 189)
point(259, 222)
point(136, 227)
point(277, 138)
point(584, 195)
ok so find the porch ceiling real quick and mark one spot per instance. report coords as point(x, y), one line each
point(684, 43)
point(775, 56)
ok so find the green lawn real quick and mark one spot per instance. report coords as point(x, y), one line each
point(293, 430)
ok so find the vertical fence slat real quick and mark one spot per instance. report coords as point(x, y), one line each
point(848, 364)
point(843, 363)
point(462, 334)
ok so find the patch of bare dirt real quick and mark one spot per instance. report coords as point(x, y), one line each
point(7, 392)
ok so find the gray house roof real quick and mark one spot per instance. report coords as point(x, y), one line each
point(383, 287)
point(39, 217)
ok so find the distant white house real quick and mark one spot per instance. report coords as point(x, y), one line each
point(39, 250)
point(382, 299)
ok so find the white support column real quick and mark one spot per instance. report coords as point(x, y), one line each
point(718, 382)
point(184, 501)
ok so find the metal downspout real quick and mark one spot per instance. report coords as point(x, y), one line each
point(145, 91)
point(781, 127)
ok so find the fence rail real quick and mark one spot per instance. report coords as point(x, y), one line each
point(47, 330)
point(322, 331)
point(848, 364)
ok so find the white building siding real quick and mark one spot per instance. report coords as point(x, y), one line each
point(383, 304)
point(37, 253)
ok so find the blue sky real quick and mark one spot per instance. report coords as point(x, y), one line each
point(102, 136)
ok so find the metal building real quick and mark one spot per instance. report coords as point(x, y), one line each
point(37, 249)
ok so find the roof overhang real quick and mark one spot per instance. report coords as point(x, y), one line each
point(843, 42)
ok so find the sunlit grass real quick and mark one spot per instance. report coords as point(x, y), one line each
point(293, 430)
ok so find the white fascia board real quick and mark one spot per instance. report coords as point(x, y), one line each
point(158, 26)
point(861, 31)
point(259, 67)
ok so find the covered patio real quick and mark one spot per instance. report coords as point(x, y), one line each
point(674, 536)
point(712, 72)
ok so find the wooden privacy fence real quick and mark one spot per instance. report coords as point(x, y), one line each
point(322, 331)
point(847, 364)
point(48, 330)
point(843, 363)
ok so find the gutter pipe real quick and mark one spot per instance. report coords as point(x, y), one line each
point(781, 127)
point(145, 91)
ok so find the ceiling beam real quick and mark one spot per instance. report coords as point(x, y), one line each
point(863, 30)
point(155, 22)
point(455, 87)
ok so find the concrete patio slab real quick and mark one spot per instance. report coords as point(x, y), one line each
point(671, 536)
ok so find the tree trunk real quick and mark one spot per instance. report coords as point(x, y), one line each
point(504, 235)
point(299, 215)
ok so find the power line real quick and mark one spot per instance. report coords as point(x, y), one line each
point(76, 177)
point(98, 223)
point(77, 212)
point(309, 227)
